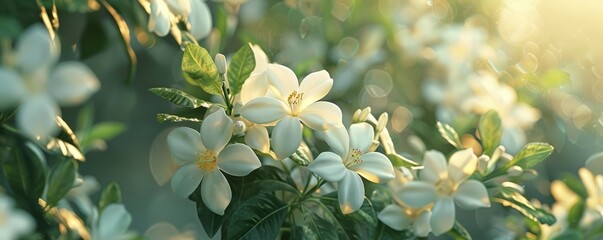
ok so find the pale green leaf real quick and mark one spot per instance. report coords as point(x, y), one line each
point(241, 66)
point(60, 180)
point(449, 134)
point(490, 131)
point(531, 155)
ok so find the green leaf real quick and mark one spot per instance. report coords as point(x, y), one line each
point(198, 65)
point(111, 194)
point(575, 214)
point(9, 27)
point(180, 98)
point(330, 216)
point(360, 224)
point(260, 217)
point(124, 31)
point(24, 171)
point(449, 134)
point(60, 180)
point(459, 232)
point(511, 198)
point(164, 117)
point(490, 131)
point(106, 130)
point(400, 161)
point(531, 155)
point(300, 158)
point(210, 221)
point(314, 227)
point(269, 185)
point(239, 69)
point(575, 185)
point(570, 235)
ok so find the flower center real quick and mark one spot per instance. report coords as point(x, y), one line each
point(206, 160)
point(445, 187)
point(294, 99)
point(353, 158)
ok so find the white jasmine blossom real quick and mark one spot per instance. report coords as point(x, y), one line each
point(14, 223)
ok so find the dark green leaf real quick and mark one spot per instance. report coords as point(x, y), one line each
point(241, 66)
point(575, 185)
point(449, 134)
point(9, 27)
point(575, 214)
point(400, 161)
point(198, 65)
point(360, 224)
point(106, 130)
point(490, 131)
point(164, 117)
point(24, 171)
point(330, 216)
point(260, 217)
point(511, 198)
point(111, 194)
point(269, 185)
point(94, 39)
point(124, 31)
point(314, 227)
point(60, 180)
point(459, 232)
point(530, 155)
point(570, 235)
point(180, 98)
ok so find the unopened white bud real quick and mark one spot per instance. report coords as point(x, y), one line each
point(239, 128)
point(356, 116)
point(514, 171)
point(482, 164)
point(220, 63)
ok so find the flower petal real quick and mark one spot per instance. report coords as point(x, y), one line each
point(315, 86)
point(215, 192)
point(180, 7)
point(361, 136)
point(472, 194)
point(216, 131)
point(254, 87)
point(442, 216)
point(35, 50)
point(264, 110)
point(329, 166)
point(186, 179)
point(417, 194)
point(461, 165)
point(185, 144)
point(159, 18)
point(337, 138)
point(72, 83)
point(200, 19)
point(13, 88)
point(321, 116)
point(435, 167)
point(261, 60)
point(374, 167)
point(257, 138)
point(286, 137)
point(114, 221)
point(350, 192)
point(283, 80)
point(394, 217)
point(421, 226)
point(238, 160)
point(36, 116)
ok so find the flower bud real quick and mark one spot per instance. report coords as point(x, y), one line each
point(515, 186)
point(356, 116)
point(514, 171)
point(220, 63)
point(364, 114)
point(482, 164)
point(239, 128)
point(382, 122)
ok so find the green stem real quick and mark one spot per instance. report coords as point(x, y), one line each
point(229, 109)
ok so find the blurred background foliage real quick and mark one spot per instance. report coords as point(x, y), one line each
point(413, 59)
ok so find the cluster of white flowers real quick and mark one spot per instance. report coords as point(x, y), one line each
point(32, 80)
point(164, 15)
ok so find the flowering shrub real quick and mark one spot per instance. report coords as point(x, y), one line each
point(318, 120)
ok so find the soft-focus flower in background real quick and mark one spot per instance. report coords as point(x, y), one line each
point(164, 13)
point(293, 103)
point(112, 224)
point(350, 160)
point(37, 84)
point(14, 223)
point(205, 155)
point(446, 184)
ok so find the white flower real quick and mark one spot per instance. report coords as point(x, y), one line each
point(292, 104)
point(205, 155)
point(199, 19)
point(350, 161)
point(80, 194)
point(160, 18)
point(446, 184)
point(112, 224)
point(40, 87)
point(399, 215)
point(14, 223)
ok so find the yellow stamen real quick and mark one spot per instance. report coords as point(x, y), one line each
point(445, 187)
point(353, 158)
point(206, 160)
point(294, 99)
